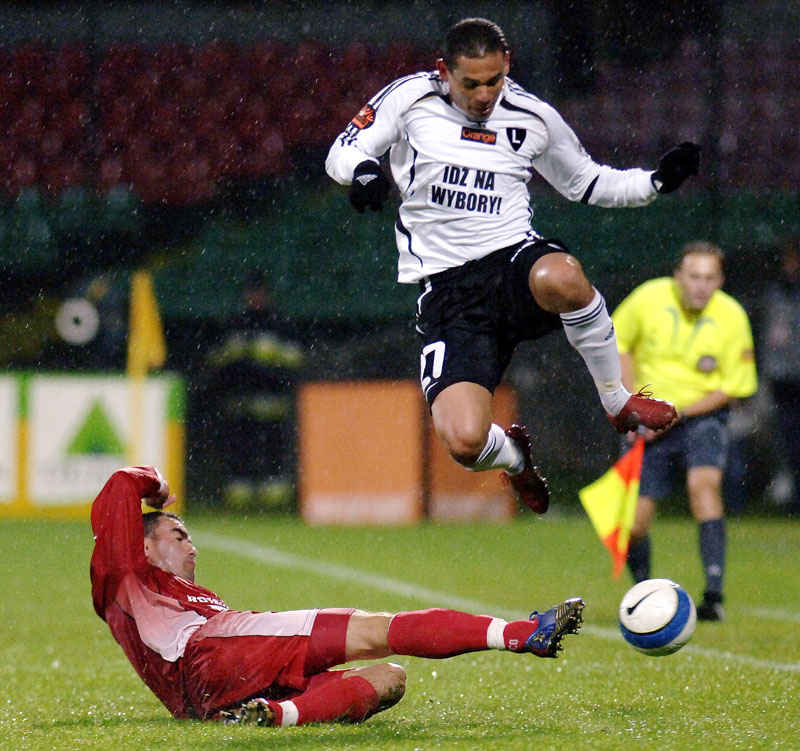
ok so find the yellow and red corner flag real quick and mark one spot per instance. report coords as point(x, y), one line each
point(610, 502)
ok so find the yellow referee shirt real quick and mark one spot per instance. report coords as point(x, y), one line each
point(686, 356)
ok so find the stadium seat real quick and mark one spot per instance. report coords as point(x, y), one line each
point(31, 232)
point(72, 211)
point(223, 109)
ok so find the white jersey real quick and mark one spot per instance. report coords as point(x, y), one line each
point(464, 183)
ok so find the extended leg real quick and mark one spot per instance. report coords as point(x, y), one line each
point(440, 633)
point(356, 694)
point(558, 285)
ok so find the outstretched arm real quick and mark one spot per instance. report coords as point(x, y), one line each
point(567, 166)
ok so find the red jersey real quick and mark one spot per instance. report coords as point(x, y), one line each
point(151, 613)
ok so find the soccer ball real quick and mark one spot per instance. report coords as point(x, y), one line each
point(657, 617)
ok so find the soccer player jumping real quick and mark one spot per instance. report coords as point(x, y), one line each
point(463, 141)
point(205, 661)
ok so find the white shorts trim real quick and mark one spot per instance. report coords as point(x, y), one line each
point(246, 623)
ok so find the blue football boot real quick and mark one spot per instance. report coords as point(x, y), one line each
point(552, 626)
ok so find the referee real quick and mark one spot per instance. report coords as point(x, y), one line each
point(463, 142)
point(690, 342)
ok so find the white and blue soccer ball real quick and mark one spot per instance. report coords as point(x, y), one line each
point(657, 617)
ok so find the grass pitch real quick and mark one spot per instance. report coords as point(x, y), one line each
point(65, 684)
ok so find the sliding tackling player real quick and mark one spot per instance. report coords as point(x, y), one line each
point(207, 662)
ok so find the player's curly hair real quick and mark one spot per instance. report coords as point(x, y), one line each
point(151, 519)
point(472, 37)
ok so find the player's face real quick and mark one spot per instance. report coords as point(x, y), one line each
point(170, 548)
point(476, 82)
point(699, 276)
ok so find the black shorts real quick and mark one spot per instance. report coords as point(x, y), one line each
point(470, 318)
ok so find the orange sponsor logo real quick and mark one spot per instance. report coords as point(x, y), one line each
point(364, 118)
point(479, 135)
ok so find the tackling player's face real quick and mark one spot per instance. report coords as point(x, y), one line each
point(170, 548)
point(476, 82)
point(699, 277)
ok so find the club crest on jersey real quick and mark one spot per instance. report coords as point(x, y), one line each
point(707, 364)
point(364, 118)
point(516, 137)
point(480, 135)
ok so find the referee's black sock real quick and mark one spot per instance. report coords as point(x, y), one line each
point(712, 553)
point(639, 559)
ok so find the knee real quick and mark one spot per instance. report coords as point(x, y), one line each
point(463, 434)
point(389, 681)
point(462, 415)
point(558, 284)
point(705, 493)
point(367, 636)
point(465, 444)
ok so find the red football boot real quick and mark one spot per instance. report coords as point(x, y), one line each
point(531, 487)
point(642, 409)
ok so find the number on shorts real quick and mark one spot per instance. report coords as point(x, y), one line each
point(431, 362)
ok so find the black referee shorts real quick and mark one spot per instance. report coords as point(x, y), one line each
point(470, 318)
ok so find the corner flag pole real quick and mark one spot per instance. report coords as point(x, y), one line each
point(146, 350)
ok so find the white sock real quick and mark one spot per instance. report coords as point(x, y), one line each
point(500, 452)
point(495, 638)
point(614, 401)
point(290, 713)
point(591, 332)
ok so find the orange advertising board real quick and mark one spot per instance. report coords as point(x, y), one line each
point(368, 454)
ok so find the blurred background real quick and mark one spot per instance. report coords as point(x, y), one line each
point(188, 139)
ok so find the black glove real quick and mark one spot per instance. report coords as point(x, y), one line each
point(370, 187)
point(675, 166)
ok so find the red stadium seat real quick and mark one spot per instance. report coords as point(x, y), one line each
point(110, 173)
point(23, 174)
point(62, 172)
point(171, 114)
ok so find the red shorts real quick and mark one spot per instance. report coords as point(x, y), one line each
point(238, 655)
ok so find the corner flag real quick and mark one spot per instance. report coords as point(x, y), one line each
point(146, 348)
point(610, 502)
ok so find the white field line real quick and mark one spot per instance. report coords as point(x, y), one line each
point(773, 614)
point(274, 557)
